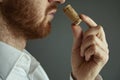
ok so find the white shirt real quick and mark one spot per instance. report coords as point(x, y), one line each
point(19, 65)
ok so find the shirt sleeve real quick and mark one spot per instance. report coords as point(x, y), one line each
point(97, 78)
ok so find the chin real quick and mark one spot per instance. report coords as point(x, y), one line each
point(40, 32)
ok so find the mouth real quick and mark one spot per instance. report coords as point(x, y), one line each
point(51, 14)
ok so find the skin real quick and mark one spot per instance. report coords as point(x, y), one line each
point(22, 20)
point(89, 51)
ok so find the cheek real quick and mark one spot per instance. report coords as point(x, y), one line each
point(41, 7)
point(24, 12)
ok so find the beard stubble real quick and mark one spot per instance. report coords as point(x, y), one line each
point(22, 16)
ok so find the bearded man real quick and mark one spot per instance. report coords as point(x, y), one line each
point(23, 20)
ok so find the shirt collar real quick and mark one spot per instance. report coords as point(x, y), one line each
point(8, 57)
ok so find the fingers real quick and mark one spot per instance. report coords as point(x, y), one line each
point(91, 24)
point(77, 30)
point(77, 35)
point(96, 53)
point(93, 46)
point(96, 31)
point(102, 35)
point(92, 41)
point(88, 21)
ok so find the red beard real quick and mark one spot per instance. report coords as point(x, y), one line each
point(21, 16)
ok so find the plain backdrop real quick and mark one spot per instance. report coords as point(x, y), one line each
point(54, 51)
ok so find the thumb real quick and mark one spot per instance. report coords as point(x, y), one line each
point(76, 29)
point(77, 36)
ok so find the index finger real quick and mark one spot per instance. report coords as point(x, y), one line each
point(88, 21)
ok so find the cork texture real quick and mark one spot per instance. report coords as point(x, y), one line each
point(72, 14)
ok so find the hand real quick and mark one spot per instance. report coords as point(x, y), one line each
point(89, 51)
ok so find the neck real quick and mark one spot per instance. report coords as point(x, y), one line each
point(12, 37)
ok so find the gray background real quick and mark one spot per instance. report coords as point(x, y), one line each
point(54, 51)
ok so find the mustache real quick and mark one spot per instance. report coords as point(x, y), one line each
point(51, 7)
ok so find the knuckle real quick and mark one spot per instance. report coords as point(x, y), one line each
point(94, 48)
point(92, 39)
point(105, 58)
point(100, 27)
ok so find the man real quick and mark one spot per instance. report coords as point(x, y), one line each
point(22, 20)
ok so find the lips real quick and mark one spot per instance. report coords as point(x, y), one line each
point(51, 14)
point(51, 10)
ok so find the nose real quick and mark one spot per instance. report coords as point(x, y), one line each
point(58, 1)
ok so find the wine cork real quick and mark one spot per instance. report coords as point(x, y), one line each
point(72, 14)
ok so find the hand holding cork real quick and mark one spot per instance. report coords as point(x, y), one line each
point(90, 48)
point(72, 14)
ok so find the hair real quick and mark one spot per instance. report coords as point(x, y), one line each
point(18, 12)
point(21, 15)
